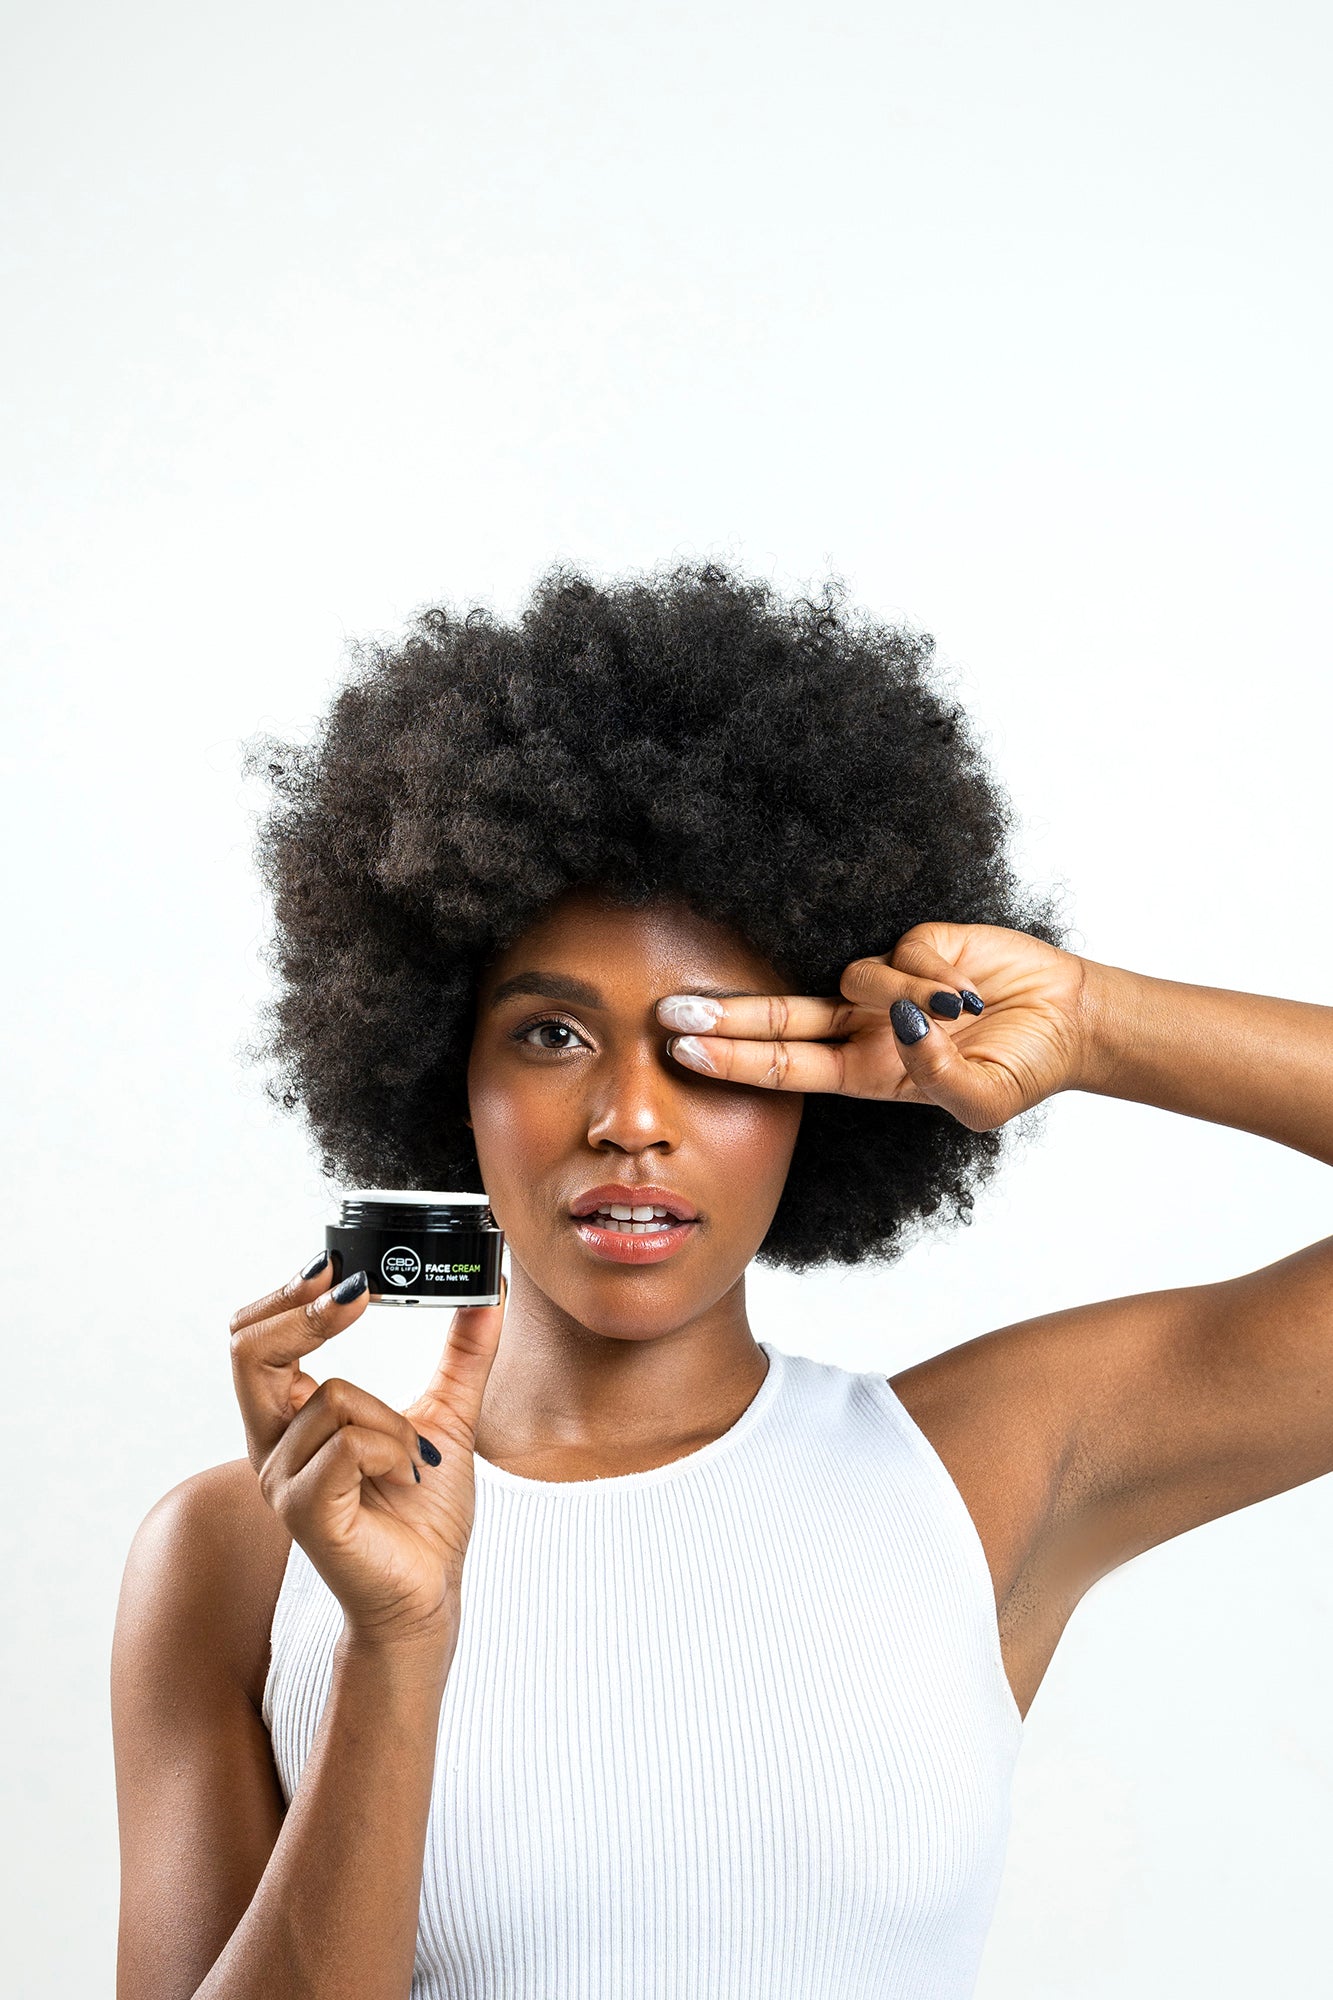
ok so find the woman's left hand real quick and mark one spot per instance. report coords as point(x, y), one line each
point(882, 1039)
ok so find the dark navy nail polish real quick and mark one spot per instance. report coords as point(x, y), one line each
point(947, 1004)
point(972, 1001)
point(428, 1450)
point(416, 1475)
point(909, 1023)
point(350, 1288)
point(315, 1266)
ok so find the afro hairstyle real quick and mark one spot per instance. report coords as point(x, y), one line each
point(790, 768)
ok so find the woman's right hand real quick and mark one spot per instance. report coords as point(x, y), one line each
point(385, 1526)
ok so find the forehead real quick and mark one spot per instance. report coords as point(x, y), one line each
point(660, 947)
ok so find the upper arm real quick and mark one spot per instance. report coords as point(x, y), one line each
point(1095, 1433)
point(1182, 1405)
point(1081, 1438)
point(198, 1797)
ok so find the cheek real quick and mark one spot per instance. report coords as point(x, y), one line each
point(516, 1118)
point(751, 1143)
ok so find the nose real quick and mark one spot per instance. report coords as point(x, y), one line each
point(635, 1103)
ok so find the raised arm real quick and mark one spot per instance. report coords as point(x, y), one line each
point(1145, 1415)
point(1182, 1405)
point(1264, 1065)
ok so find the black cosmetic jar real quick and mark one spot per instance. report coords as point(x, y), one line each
point(418, 1248)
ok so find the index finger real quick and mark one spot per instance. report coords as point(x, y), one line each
point(310, 1280)
point(762, 1017)
point(267, 1348)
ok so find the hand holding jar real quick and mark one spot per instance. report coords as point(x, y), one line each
point(381, 1502)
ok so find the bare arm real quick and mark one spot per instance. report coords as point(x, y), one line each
point(335, 1913)
point(1184, 1405)
point(1137, 1418)
point(223, 1895)
point(1262, 1064)
point(1151, 1414)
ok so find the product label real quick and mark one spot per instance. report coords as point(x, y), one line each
point(428, 1266)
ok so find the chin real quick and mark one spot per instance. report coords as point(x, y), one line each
point(620, 1303)
point(628, 1307)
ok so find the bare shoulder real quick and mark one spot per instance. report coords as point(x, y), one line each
point(1100, 1431)
point(205, 1568)
point(199, 1800)
point(1083, 1437)
point(994, 1409)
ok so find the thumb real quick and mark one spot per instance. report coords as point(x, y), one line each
point(451, 1401)
point(941, 1073)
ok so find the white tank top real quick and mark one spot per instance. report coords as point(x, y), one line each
point(736, 1726)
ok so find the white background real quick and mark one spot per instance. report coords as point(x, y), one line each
point(1019, 318)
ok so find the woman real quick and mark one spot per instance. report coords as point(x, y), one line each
point(638, 1657)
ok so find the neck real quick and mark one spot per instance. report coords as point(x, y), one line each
point(557, 1386)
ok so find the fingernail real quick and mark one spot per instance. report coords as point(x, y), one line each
point(350, 1288)
point(972, 1001)
point(315, 1265)
point(692, 1053)
point(947, 1004)
point(689, 1011)
point(416, 1475)
point(428, 1450)
point(909, 1023)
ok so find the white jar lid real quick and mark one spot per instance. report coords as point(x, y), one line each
point(451, 1200)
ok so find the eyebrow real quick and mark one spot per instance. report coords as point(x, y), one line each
point(578, 993)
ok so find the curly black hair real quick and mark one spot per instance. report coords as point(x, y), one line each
point(790, 768)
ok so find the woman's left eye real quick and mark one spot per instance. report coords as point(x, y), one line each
point(541, 1028)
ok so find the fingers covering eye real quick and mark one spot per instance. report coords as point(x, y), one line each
point(788, 1065)
point(770, 1017)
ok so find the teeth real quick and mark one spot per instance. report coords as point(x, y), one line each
point(626, 1221)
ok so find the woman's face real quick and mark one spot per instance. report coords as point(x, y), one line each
point(573, 1095)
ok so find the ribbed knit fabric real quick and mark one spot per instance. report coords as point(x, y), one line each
point(737, 1728)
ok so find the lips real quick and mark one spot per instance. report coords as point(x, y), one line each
point(623, 1194)
point(634, 1238)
